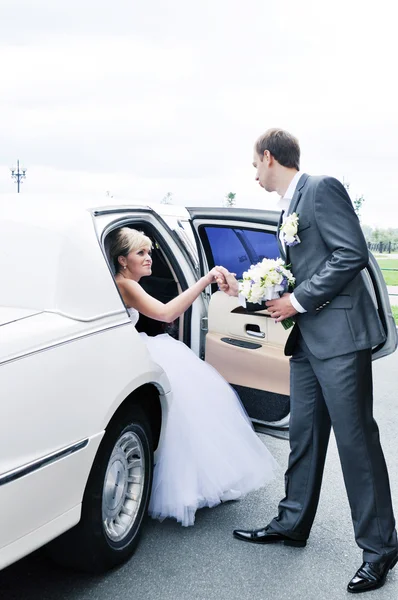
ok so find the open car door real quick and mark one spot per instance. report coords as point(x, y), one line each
point(248, 348)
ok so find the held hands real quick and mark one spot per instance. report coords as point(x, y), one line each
point(226, 281)
point(215, 276)
point(212, 276)
point(281, 308)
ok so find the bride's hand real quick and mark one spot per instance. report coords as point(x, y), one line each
point(215, 276)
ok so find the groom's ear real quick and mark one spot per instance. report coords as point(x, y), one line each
point(268, 158)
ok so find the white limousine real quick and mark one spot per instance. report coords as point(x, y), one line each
point(83, 405)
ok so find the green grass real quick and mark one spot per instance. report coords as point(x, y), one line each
point(395, 313)
point(390, 277)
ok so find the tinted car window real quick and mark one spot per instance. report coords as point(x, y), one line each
point(237, 249)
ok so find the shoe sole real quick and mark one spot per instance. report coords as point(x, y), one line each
point(286, 542)
point(295, 543)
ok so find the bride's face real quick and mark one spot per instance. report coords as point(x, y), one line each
point(139, 263)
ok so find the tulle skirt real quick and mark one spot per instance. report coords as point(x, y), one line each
point(210, 452)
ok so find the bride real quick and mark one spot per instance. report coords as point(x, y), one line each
point(210, 451)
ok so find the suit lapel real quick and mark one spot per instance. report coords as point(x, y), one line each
point(293, 206)
point(297, 194)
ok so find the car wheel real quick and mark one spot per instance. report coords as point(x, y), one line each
point(115, 500)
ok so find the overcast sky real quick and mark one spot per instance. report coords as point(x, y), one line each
point(147, 97)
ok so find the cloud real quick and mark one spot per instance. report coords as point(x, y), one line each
point(169, 96)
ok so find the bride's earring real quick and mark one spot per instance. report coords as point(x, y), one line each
point(124, 267)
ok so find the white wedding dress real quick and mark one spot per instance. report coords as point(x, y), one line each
point(210, 452)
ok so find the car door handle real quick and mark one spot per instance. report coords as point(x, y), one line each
point(256, 334)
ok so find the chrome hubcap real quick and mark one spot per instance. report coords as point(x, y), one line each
point(123, 486)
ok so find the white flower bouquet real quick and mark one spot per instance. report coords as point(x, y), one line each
point(267, 280)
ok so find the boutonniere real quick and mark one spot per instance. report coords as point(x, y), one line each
point(289, 230)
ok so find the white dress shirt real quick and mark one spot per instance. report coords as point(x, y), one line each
point(284, 204)
point(284, 201)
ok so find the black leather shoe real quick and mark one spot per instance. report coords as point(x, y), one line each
point(372, 575)
point(267, 535)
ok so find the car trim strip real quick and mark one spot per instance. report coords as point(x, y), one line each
point(44, 461)
point(75, 338)
point(113, 313)
point(120, 210)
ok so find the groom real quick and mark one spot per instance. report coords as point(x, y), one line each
point(330, 367)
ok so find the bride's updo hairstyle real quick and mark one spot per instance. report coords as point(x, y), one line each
point(124, 241)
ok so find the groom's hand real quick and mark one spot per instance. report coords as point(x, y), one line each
point(227, 282)
point(281, 308)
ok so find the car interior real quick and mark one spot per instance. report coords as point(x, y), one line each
point(163, 284)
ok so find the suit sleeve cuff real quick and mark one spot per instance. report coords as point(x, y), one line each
point(296, 304)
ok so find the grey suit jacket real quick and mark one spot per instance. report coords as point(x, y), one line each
point(341, 316)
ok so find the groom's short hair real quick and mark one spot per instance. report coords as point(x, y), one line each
point(283, 146)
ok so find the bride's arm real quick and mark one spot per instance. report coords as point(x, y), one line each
point(136, 297)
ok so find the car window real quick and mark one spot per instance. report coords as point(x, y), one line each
point(237, 249)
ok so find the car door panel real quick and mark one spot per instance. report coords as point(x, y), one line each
point(261, 374)
point(375, 283)
point(260, 363)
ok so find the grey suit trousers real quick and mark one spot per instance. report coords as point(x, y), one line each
point(336, 392)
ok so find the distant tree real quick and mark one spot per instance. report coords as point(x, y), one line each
point(357, 203)
point(393, 233)
point(380, 235)
point(167, 199)
point(359, 200)
point(384, 235)
point(367, 232)
point(230, 200)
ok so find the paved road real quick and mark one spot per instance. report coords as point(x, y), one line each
point(393, 292)
point(206, 563)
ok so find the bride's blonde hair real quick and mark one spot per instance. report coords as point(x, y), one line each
point(126, 240)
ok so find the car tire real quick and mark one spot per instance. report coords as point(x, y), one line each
point(115, 501)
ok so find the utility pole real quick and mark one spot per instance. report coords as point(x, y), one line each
point(18, 175)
